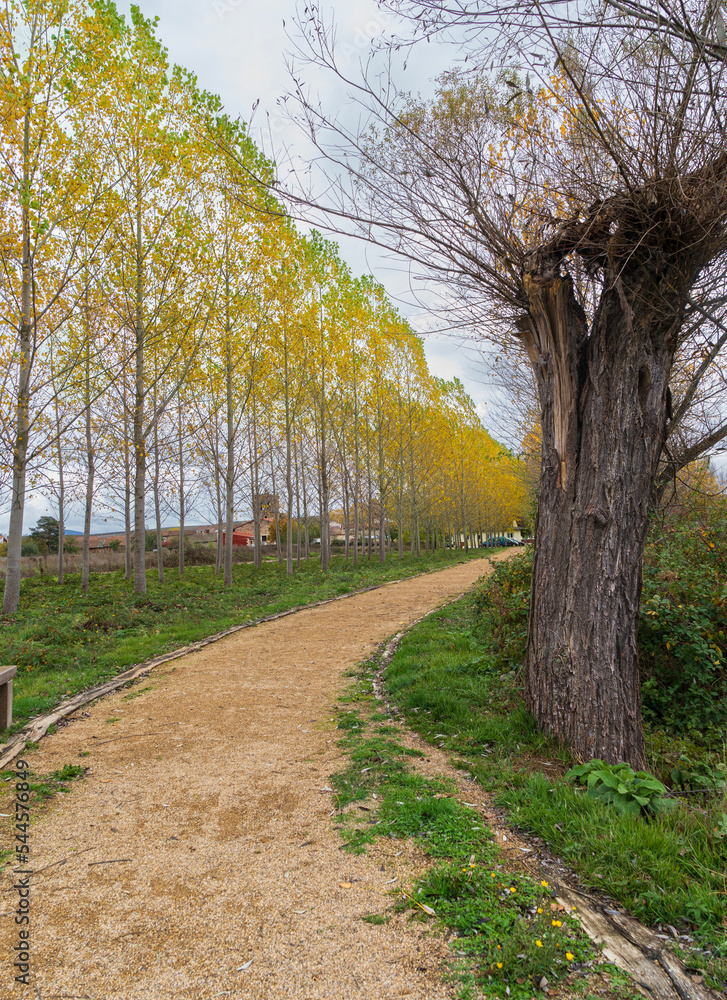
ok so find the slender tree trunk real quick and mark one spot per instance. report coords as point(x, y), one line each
point(288, 467)
point(255, 470)
point(297, 502)
point(127, 496)
point(230, 471)
point(305, 509)
point(604, 411)
point(139, 442)
point(157, 508)
point(90, 473)
point(61, 497)
point(325, 528)
point(11, 597)
point(346, 515)
point(182, 512)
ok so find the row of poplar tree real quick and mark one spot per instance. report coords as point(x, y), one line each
point(171, 342)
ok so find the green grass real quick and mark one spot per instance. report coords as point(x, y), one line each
point(506, 932)
point(449, 682)
point(64, 641)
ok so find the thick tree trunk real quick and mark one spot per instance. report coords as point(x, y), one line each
point(603, 400)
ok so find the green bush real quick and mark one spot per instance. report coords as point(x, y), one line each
point(29, 547)
point(501, 610)
point(682, 645)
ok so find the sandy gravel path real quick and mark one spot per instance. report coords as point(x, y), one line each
point(207, 801)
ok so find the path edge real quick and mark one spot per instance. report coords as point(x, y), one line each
point(37, 729)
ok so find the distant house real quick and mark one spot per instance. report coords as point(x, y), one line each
point(239, 538)
point(519, 530)
point(248, 528)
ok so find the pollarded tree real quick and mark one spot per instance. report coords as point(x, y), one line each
point(579, 199)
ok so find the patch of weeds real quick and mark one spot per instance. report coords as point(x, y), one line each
point(114, 718)
point(507, 927)
point(135, 694)
point(6, 854)
point(49, 785)
point(506, 931)
point(349, 720)
point(376, 918)
point(52, 729)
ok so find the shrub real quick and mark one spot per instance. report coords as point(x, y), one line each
point(501, 610)
point(29, 547)
point(632, 793)
point(682, 645)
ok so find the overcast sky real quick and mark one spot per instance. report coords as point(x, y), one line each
point(239, 49)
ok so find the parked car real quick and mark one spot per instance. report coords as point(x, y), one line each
point(500, 542)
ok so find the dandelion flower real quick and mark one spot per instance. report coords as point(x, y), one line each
point(556, 923)
point(539, 910)
point(569, 956)
point(544, 884)
point(499, 965)
point(539, 944)
point(513, 889)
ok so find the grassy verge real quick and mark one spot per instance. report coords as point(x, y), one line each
point(452, 683)
point(507, 934)
point(64, 641)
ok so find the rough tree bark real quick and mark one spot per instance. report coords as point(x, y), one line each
point(603, 396)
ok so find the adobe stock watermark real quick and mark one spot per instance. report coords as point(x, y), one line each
point(22, 873)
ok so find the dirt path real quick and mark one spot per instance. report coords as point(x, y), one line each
point(207, 801)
